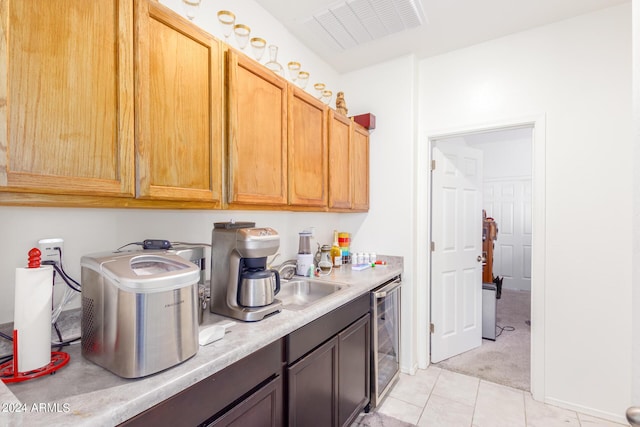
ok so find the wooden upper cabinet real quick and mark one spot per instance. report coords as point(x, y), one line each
point(307, 149)
point(66, 97)
point(178, 108)
point(257, 133)
point(360, 167)
point(340, 188)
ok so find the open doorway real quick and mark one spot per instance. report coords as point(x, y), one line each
point(507, 182)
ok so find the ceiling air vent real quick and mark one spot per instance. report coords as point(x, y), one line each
point(353, 22)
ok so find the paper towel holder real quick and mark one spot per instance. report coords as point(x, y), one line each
point(10, 371)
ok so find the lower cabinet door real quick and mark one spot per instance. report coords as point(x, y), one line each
point(261, 409)
point(354, 356)
point(313, 387)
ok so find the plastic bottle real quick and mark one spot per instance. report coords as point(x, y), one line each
point(336, 253)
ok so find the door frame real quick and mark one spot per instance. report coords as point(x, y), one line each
point(538, 294)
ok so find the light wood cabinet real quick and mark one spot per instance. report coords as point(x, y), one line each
point(348, 165)
point(122, 103)
point(66, 109)
point(178, 108)
point(360, 168)
point(257, 134)
point(307, 150)
point(339, 161)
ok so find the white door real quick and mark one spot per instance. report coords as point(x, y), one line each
point(456, 267)
point(508, 201)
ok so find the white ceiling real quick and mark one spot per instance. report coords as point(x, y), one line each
point(448, 25)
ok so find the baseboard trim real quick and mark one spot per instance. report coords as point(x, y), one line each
point(587, 410)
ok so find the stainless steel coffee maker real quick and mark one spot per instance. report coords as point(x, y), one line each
point(242, 286)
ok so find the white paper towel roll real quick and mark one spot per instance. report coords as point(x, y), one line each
point(32, 316)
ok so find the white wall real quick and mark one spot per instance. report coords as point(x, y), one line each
point(577, 73)
point(95, 230)
point(506, 153)
point(388, 90)
point(635, 302)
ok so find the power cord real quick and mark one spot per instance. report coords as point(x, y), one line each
point(64, 273)
point(129, 244)
point(192, 244)
point(504, 328)
point(68, 280)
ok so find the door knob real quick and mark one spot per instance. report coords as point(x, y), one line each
point(633, 416)
point(481, 259)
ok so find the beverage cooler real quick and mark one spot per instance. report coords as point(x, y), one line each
point(385, 339)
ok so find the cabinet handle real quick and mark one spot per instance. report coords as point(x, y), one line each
point(387, 288)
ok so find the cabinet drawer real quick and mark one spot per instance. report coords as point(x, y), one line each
point(206, 398)
point(263, 408)
point(303, 340)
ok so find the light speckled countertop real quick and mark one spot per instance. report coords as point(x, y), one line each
point(83, 393)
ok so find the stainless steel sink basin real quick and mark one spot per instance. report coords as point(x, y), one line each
point(299, 294)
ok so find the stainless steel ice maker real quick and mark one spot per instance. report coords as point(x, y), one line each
point(139, 311)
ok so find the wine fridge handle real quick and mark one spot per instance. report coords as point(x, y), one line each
point(387, 288)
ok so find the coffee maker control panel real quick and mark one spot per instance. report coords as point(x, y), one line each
point(256, 233)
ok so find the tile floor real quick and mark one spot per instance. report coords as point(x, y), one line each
point(439, 398)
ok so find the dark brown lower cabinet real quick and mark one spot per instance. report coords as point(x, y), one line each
point(354, 369)
point(318, 375)
point(251, 388)
point(262, 409)
point(330, 385)
point(313, 387)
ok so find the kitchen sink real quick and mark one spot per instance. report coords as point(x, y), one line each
point(299, 294)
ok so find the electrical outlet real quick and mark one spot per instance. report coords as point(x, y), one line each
point(49, 250)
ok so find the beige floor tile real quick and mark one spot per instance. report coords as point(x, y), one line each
point(460, 400)
point(400, 409)
point(415, 389)
point(589, 421)
point(442, 412)
point(538, 414)
point(457, 387)
point(499, 406)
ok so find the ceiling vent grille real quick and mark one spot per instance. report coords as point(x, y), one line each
point(353, 22)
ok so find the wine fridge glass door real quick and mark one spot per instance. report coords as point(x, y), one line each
point(385, 311)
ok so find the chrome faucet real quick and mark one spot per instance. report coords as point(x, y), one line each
point(290, 265)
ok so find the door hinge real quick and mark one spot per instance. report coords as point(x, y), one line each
point(433, 165)
point(433, 246)
point(432, 328)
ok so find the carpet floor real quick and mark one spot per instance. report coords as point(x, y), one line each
point(507, 360)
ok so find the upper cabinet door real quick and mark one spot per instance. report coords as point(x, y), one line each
point(340, 153)
point(308, 185)
point(178, 108)
point(257, 114)
point(66, 96)
point(360, 167)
